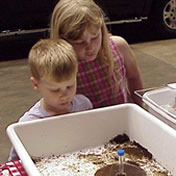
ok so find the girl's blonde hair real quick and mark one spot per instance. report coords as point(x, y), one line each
point(71, 18)
point(53, 59)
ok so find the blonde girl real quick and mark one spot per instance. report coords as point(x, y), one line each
point(107, 70)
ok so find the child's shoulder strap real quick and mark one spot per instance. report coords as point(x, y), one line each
point(116, 53)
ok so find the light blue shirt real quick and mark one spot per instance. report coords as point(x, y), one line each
point(79, 103)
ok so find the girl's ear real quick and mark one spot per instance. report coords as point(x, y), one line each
point(34, 83)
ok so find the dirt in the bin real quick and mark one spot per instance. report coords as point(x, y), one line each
point(120, 139)
point(138, 151)
point(133, 154)
point(113, 170)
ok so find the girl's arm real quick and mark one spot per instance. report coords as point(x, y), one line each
point(132, 71)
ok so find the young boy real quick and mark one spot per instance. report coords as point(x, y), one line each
point(54, 67)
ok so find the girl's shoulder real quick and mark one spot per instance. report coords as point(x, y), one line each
point(121, 44)
point(119, 41)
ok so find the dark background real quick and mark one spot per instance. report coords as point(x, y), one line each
point(18, 46)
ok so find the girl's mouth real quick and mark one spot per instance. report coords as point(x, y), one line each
point(90, 54)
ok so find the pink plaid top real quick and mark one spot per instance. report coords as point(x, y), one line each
point(13, 168)
point(93, 81)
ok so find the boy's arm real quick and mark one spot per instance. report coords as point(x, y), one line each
point(132, 70)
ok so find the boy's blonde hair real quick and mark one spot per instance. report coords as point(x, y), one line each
point(53, 59)
point(71, 18)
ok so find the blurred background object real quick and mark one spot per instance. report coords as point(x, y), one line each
point(22, 23)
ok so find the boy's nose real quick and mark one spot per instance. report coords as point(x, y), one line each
point(64, 93)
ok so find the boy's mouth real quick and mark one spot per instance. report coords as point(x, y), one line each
point(64, 103)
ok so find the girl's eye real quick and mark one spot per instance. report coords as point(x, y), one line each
point(78, 43)
point(95, 37)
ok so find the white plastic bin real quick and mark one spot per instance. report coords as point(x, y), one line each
point(75, 131)
point(160, 103)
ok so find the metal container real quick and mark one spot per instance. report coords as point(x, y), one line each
point(161, 102)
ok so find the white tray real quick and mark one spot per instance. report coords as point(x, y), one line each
point(160, 102)
point(75, 131)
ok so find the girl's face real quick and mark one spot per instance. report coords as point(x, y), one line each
point(88, 46)
point(57, 96)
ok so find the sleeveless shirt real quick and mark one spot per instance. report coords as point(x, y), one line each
point(92, 80)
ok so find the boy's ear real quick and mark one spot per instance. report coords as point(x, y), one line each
point(34, 83)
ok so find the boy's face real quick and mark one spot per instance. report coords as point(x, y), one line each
point(57, 96)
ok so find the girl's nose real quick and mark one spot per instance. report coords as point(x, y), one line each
point(89, 45)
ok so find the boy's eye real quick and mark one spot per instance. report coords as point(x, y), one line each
point(69, 87)
point(55, 90)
